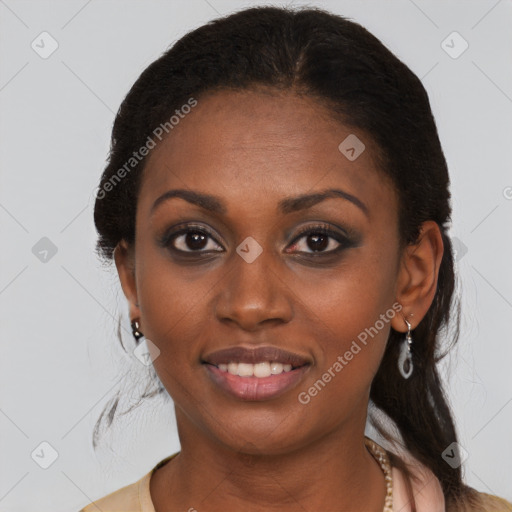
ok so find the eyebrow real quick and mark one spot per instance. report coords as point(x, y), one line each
point(285, 206)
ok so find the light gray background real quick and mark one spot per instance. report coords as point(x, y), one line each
point(60, 360)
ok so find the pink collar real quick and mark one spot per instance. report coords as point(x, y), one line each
point(427, 492)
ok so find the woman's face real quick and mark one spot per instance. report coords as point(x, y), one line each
point(263, 268)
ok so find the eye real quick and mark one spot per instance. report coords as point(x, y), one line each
point(191, 239)
point(312, 240)
point(319, 240)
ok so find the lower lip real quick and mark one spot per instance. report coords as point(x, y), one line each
point(255, 388)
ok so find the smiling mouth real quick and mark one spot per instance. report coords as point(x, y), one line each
point(255, 374)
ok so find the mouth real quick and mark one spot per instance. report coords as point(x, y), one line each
point(257, 374)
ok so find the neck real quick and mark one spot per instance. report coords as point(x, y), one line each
point(335, 473)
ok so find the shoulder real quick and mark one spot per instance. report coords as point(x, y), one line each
point(482, 502)
point(134, 497)
point(429, 497)
point(126, 499)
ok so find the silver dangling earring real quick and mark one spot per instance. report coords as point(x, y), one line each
point(405, 365)
point(135, 331)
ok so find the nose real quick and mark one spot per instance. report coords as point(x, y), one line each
point(254, 294)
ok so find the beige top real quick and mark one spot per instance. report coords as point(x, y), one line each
point(429, 497)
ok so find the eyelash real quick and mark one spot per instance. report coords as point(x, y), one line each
point(344, 241)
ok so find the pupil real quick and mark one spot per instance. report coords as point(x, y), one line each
point(319, 242)
point(195, 240)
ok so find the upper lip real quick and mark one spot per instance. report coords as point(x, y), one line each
point(240, 354)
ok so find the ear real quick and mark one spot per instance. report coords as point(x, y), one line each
point(125, 264)
point(417, 276)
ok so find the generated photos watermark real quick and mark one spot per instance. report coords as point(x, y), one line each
point(304, 397)
point(137, 156)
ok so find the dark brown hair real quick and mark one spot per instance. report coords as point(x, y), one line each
point(347, 69)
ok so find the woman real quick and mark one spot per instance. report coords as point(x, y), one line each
point(276, 203)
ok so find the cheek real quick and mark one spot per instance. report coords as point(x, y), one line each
point(353, 295)
point(352, 310)
point(352, 339)
point(173, 310)
point(351, 328)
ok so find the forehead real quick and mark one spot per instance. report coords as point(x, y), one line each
point(249, 145)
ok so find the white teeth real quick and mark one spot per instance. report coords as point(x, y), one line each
point(263, 369)
point(245, 369)
point(276, 368)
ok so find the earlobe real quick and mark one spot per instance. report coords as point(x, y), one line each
point(418, 275)
point(125, 264)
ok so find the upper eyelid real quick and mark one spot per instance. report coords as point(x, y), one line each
point(320, 227)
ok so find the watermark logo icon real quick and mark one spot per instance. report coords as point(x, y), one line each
point(459, 248)
point(351, 147)
point(249, 249)
point(44, 45)
point(44, 250)
point(138, 156)
point(44, 455)
point(146, 352)
point(454, 455)
point(454, 45)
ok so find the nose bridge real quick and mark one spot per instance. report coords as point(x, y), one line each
point(252, 292)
